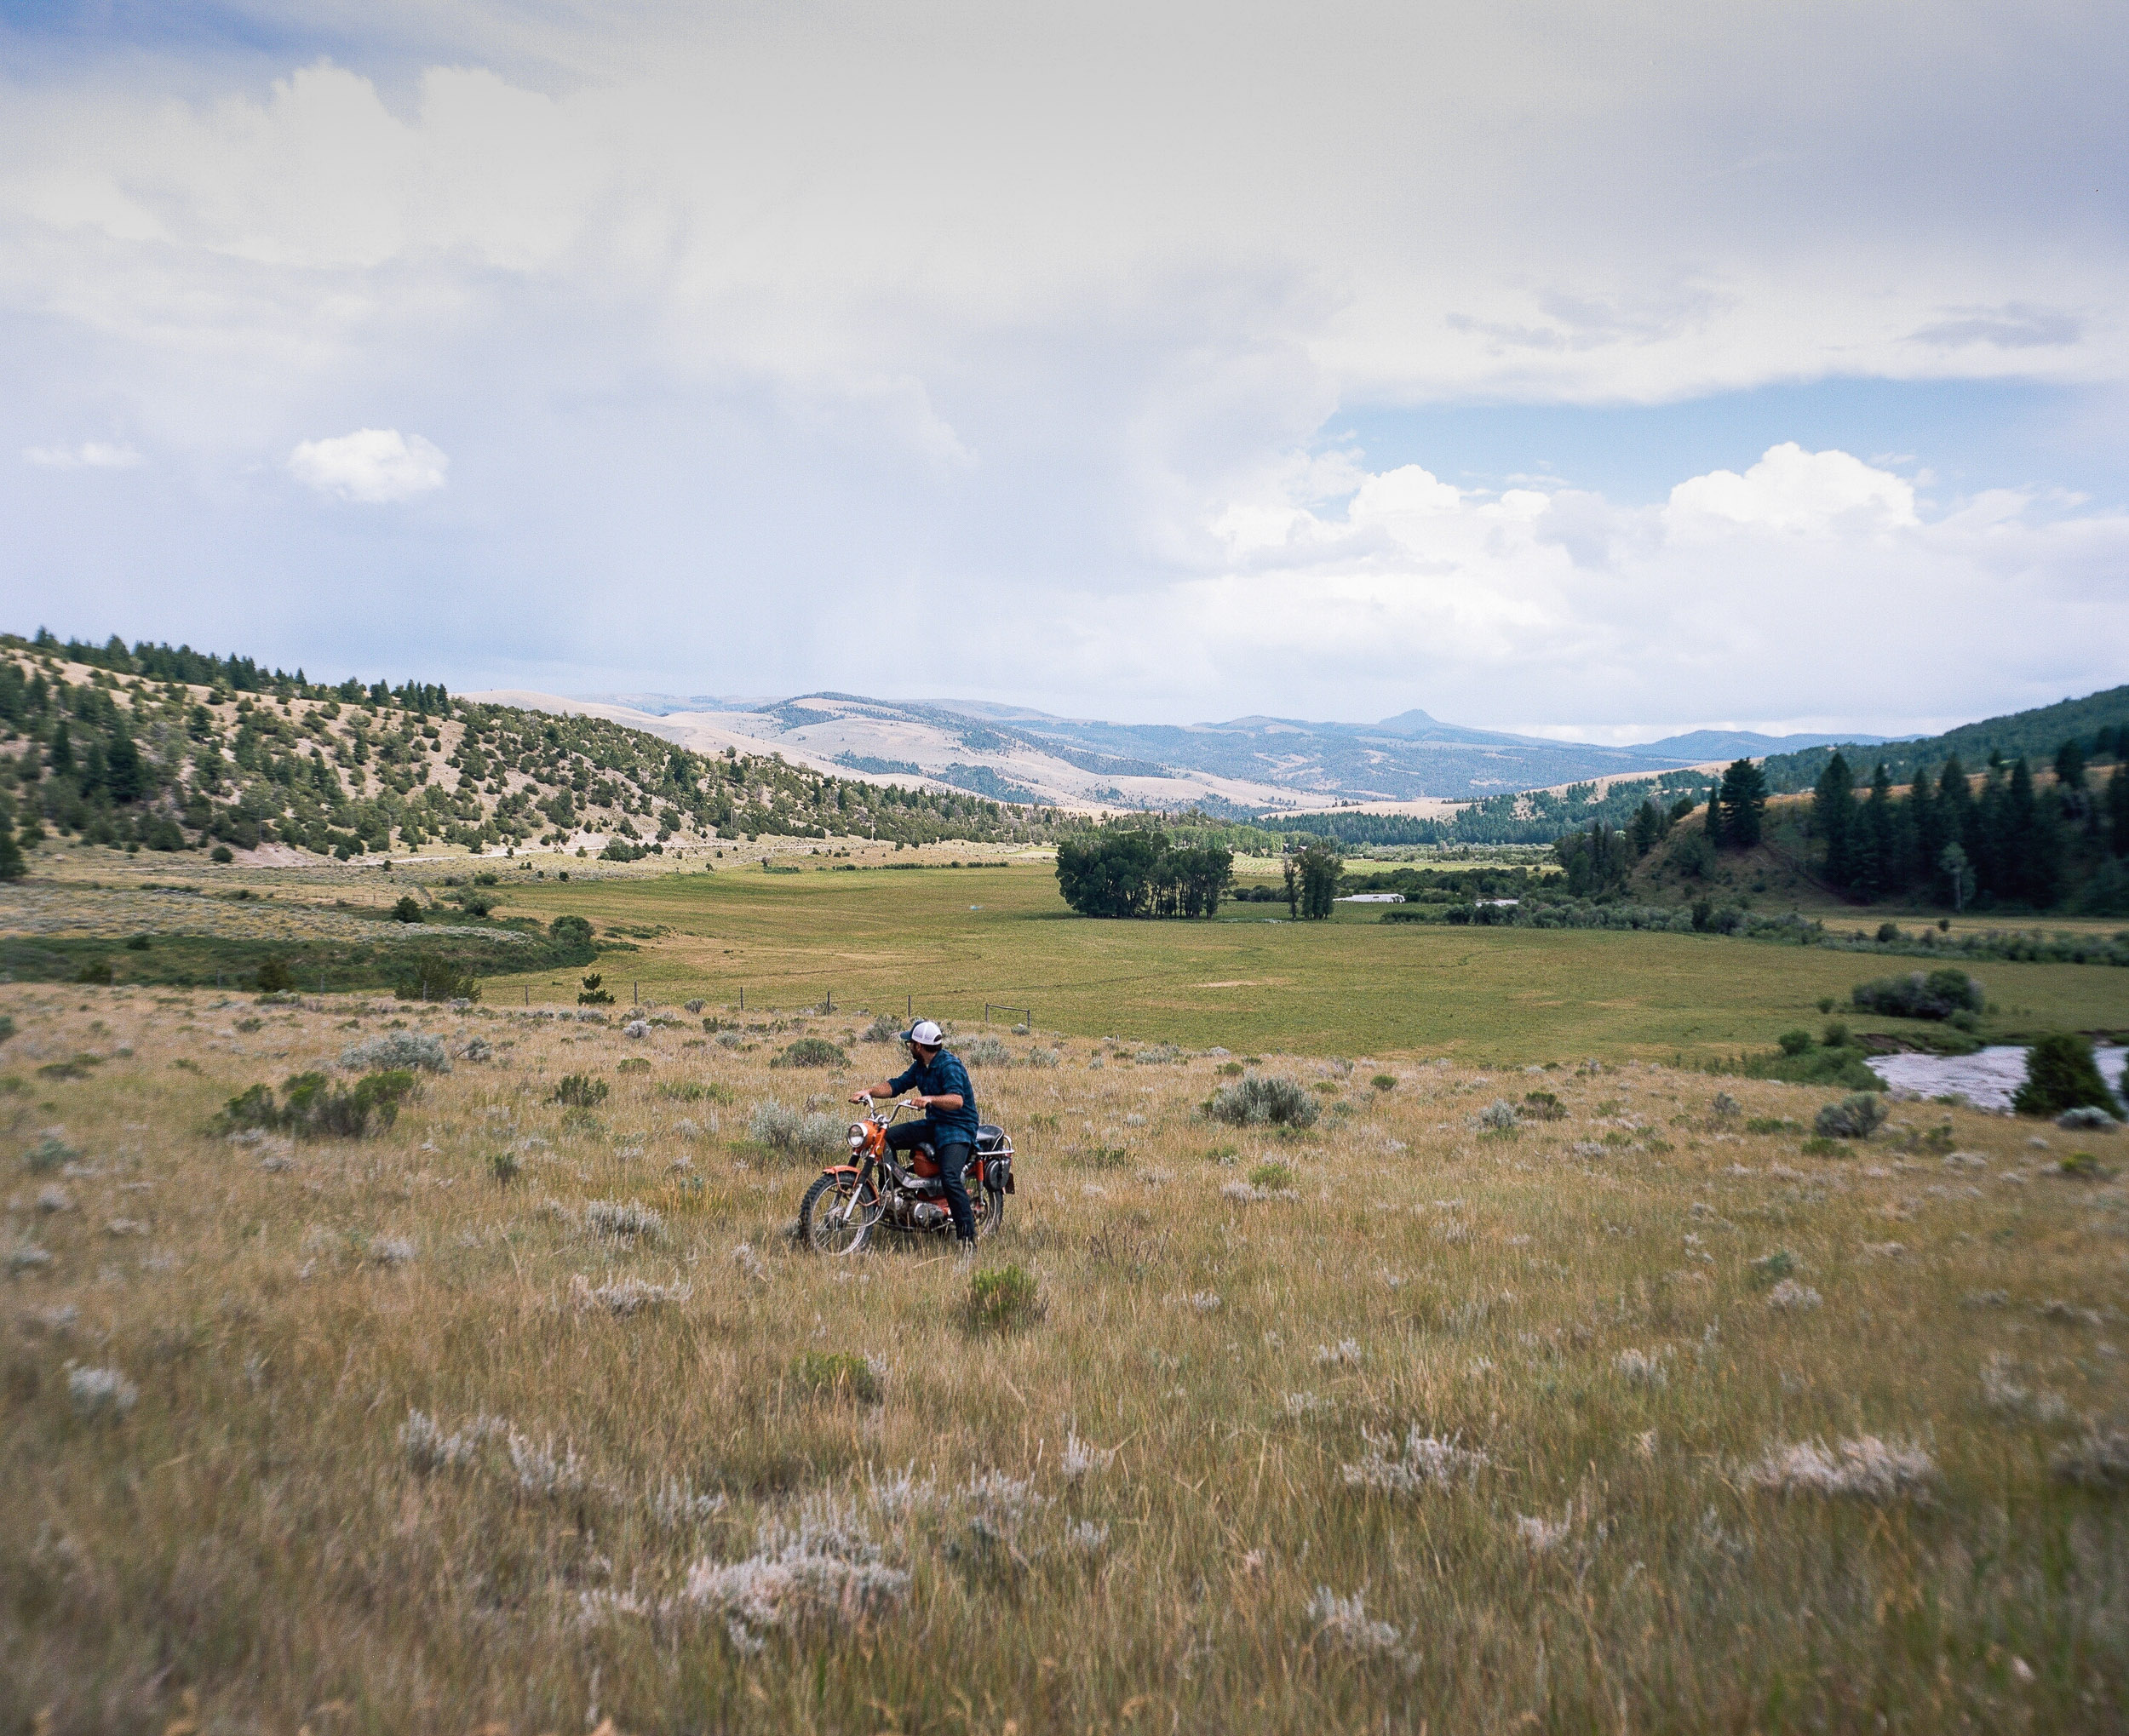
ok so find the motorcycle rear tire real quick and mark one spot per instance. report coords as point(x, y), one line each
point(819, 1234)
point(993, 1214)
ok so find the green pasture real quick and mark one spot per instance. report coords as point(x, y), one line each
point(951, 940)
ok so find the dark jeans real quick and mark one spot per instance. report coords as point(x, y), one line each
point(952, 1159)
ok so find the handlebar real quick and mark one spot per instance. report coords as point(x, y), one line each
point(873, 1113)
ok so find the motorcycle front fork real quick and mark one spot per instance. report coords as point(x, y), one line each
point(857, 1196)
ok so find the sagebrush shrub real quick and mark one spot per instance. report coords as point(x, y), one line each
point(313, 1106)
point(1866, 1468)
point(2099, 1461)
point(408, 1050)
point(1855, 1116)
point(623, 1218)
point(810, 1052)
point(984, 1051)
point(101, 1394)
point(783, 1127)
point(49, 1154)
point(1260, 1100)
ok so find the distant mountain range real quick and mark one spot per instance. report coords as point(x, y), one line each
point(1254, 765)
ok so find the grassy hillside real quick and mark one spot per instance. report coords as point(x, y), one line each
point(1397, 1423)
point(171, 750)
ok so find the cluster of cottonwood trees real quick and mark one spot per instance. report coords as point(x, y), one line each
point(1131, 870)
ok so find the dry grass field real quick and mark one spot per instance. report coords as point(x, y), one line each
point(1634, 1419)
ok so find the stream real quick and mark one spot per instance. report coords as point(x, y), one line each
point(1986, 1078)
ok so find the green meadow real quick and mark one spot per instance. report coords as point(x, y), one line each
point(948, 941)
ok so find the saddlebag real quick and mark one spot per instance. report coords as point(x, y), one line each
point(996, 1152)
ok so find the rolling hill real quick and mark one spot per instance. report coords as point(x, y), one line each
point(2027, 735)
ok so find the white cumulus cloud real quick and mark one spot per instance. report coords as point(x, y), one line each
point(372, 465)
point(91, 454)
point(1792, 489)
point(1813, 583)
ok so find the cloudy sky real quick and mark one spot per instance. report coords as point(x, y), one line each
point(1595, 369)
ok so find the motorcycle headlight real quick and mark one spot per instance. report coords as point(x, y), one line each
point(856, 1138)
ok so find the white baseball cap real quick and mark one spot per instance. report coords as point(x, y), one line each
point(924, 1034)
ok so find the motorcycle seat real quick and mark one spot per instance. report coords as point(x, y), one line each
point(990, 1137)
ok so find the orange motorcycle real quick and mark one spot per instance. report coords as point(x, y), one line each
point(841, 1210)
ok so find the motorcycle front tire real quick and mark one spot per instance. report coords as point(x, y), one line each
point(817, 1227)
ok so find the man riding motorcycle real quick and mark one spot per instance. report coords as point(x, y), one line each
point(938, 1082)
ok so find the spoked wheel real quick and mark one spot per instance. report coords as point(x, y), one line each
point(989, 1204)
point(833, 1219)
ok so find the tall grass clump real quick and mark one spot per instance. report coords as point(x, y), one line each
point(581, 1091)
point(1262, 1100)
point(1001, 1298)
point(837, 1374)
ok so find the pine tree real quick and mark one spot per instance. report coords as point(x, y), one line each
point(1877, 865)
point(2118, 809)
point(2033, 840)
point(1926, 837)
point(2069, 764)
point(124, 775)
point(1744, 804)
point(1833, 819)
point(1955, 799)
